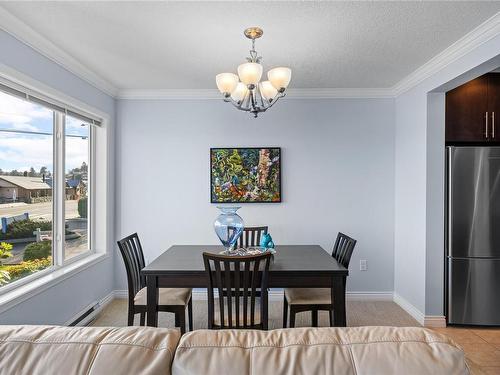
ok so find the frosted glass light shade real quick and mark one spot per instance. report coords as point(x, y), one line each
point(250, 73)
point(226, 82)
point(280, 77)
point(267, 90)
point(239, 92)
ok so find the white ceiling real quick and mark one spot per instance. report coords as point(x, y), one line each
point(183, 45)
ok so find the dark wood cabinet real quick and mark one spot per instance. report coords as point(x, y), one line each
point(473, 110)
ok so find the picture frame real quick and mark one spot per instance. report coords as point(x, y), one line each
point(245, 175)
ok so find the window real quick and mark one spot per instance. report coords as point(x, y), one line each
point(46, 180)
point(77, 136)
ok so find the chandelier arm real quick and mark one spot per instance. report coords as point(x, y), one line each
point(275, 99)
point(262, 100)
point(238, 105)
point(255, 104)
point(245, 103)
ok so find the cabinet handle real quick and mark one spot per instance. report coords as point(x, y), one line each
point(486, 124)
point(493, 124)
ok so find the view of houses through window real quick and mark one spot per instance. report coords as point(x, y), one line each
point(27, 159)
point(77, 182)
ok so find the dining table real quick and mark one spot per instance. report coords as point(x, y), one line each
point(293, 266)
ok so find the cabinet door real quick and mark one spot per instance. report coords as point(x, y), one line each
point(494, 105)
point(466, 108)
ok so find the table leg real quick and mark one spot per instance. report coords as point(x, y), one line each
point(152, 300)
point(338, 297)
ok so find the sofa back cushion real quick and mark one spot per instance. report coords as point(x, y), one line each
point(361, 351)
point(86, 350)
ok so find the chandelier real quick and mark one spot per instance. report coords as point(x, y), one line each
point(245, 91)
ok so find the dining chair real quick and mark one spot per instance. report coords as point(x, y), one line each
point(241, 283)
point(173, 300)
point(251, 236)
point(317, 299)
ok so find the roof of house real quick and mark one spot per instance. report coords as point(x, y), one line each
point(73, 183)
point(28, 183)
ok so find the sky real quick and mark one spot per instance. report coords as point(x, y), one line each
point(22, 151)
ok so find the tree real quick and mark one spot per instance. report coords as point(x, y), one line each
point(43, 171)
point(5, 252)
point(32, 172)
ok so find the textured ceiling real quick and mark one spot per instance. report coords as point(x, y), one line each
point(169, 45)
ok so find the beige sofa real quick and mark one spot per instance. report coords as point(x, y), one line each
point(139, 350)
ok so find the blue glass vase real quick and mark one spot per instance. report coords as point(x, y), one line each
point(228, 226)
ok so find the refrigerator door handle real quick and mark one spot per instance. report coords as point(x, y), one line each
point(450, 205)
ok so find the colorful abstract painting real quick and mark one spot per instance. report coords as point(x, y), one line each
point(240, 175)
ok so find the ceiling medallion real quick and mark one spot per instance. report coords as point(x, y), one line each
point(245, 91)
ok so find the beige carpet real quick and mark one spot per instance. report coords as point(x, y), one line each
point(359, 313)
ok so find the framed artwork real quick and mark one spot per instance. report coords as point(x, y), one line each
point(245, 175)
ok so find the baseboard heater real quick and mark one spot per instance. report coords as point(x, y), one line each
point(84, 316)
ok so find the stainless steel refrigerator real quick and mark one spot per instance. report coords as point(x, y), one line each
point(473, 235)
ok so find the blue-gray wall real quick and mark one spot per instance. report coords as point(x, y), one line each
point(338, 175)
point(58, 304)
point(419, 179)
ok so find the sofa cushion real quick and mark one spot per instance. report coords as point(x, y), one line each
point(86, 350)
point(361, 351)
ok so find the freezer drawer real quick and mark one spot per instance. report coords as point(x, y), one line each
point(474, 291)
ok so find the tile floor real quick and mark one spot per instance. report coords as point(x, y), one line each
point(481, 346)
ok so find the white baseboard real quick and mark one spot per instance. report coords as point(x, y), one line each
point(99, 306)
point(431, 321)
point(409, 308)
point(277, 295)
point(369, 296)
point(435, 321)
point(120, 294)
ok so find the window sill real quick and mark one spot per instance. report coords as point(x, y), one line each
point(20, 294)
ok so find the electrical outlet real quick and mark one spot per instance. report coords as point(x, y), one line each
point(363, 265)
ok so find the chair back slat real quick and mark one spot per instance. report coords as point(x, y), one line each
point(224, 273)
point(237, 275)
point(211, 307)
point(218, 277)
point(246, 277)
point(343, 249)
point(133, 257)
point(251, 236)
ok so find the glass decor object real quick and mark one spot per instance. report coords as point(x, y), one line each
point(245, 90)
point(228, 226)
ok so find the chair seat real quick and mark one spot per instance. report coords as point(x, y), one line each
point(167, 296)
point(308, 296)
point(226, 320)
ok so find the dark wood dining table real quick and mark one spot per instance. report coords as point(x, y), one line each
point(294, 266)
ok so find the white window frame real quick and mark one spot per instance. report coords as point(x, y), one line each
point(99, 222)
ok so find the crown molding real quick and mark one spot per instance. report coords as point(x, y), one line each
point(204, 94)
point(339, 93)
point(472, 40)
point(478, 36)
point(21, 31)
point(168, 94)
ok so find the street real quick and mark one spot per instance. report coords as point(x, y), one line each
point(43, 211)
point(38, 210)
